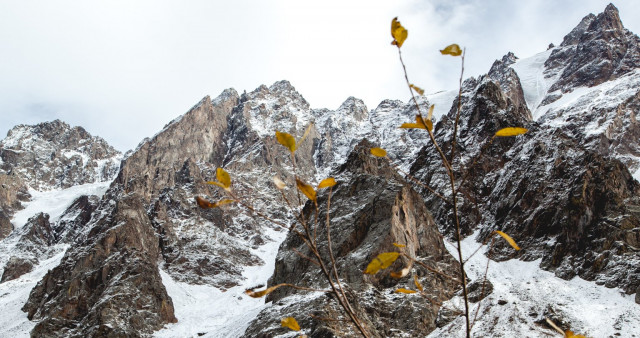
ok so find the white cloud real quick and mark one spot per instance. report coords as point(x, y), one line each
point(122, 69)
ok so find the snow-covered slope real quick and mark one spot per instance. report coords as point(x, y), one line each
point(524, 296)
point(14, 293)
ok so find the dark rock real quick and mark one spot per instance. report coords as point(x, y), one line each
point(12, 192)
point(38, 231)
point(567, 204)
point(107, 285)
point(372, 208)
point(75, 218)
point(15, 268)
point(479, 289)
point(597, 50)
point(5, 225)
point(446, 315)
point(53, 155)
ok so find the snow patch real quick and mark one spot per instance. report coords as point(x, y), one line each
point(442, 102)
point(15, 293)
point(529, 292)
point(206, 311)
point(55, 202)
point(534, 83)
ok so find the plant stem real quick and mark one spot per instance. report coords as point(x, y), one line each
point(455, 130)
point(452, 181)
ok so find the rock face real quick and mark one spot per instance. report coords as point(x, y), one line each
point(555, 189)
point(148, 220)
point(372, 208)
point(16, 267)
point(53, 155)
point(108, 279)
point(599, 49)
point(12, 193)
point(565, 191)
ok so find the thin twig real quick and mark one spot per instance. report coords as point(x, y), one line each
point(452, 182)
point(326, 319)
point(484, 281)
point(432, 269)
point(305, 256)
point(455, 130)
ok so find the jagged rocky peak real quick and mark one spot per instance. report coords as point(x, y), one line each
point(598, 49)
point(354, 107)
point(197, 135)
point(502, 72)
point(374, 208)
point(107, 284)
point(54, 155)
point(605, 25)
point(278, 107)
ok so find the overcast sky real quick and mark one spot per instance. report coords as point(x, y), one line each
point(122, 69)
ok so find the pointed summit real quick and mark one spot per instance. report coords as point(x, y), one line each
point(598, 49)
point(606, 25)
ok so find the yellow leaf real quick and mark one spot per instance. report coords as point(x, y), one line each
point(417, 283)
point(258, 294)
point(403, 290)
point(383, 261)
point(570, 334)
point(399, 245)
point(508, 239)
point(306, 189)
point(291, 323)
point(223, 178)
point(401, 273)
point(412, 126)
point(378, 152)
point(203, 203)
point(286, 140)
point(430, 113)
point(223, 202)
point(327, 182)
point(417, 89)
point(306, 133)
point(511, 131)
point(398, 33)
point(429, 125)
point(218, 184)
point(420, 124)
point(453, 50)
point(278, 182)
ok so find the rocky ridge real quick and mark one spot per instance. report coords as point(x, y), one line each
point(147, 225)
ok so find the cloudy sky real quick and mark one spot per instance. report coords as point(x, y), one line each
point(124, 68)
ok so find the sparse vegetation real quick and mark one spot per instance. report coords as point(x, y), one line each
point(307, 225)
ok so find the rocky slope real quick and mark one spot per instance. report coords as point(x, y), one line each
point(53, 155)
point(373, 207)
point(565, 191)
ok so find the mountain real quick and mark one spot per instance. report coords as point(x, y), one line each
point(94, 243)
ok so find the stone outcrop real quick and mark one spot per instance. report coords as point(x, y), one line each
point(12, 193)
point(54, 155)
point(567, 203)
point(372, 207)
point(599, 49)
point(109, 284)
point(16, 267)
